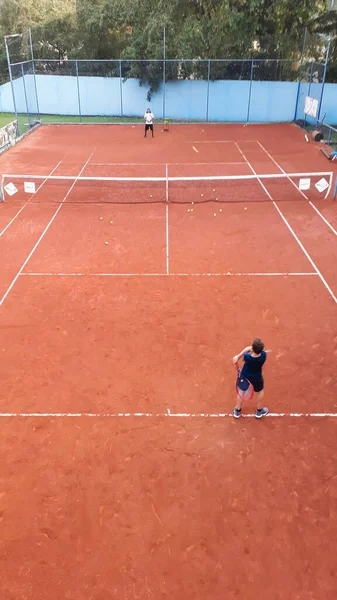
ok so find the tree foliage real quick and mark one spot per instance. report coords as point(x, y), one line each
point(197, 29)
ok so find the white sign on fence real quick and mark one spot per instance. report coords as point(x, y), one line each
point(311, 106)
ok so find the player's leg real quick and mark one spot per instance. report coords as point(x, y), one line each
point(261, 411)
point(146, 128)
point(151, 127)
point(238, 407)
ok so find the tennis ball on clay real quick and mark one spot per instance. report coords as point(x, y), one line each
point(214, 214)
point(101, 218)
point(220, 209)
point(188, 210)
point(217, 198)
point(106, 243)
point(213, 190)
point(111, 222)
point(191, 210)
point(245, 207)
point(201, 194)
point(192, 202)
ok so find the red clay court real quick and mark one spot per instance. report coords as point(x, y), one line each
point(123, 473)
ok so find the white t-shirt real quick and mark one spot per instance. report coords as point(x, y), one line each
point(149, 118)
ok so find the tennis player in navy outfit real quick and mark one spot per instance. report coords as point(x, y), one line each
point(254, 357)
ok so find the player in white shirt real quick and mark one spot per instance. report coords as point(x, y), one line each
point(149, 118)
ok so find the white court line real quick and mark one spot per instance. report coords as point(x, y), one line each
point(167, 414)
point(24, 206)
point(193, 164)
point(285, 274)
point(292, 232)
point(221, 141)
point(43, 234)
point(167, 240)
point(282, 170)
point(323, 218)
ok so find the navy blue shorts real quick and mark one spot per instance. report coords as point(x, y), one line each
point(257, 383)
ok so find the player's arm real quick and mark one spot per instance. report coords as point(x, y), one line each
point(238, 356)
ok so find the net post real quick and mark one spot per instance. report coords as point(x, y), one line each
point(330, 185)
point(25, 92)
point(34, 74)
point(250, 89)
point(78, 92)
point(166, 183)
point(2, 195)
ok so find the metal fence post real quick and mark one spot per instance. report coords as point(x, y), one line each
point(12, 85)
point(299, 74)
point(323, 82)
point(164, 71)
point(310, 82)
point(121, 87)
point(25, 91)
point(78, 92)
point(250, 89)
point(207, 98)
point(34, 74)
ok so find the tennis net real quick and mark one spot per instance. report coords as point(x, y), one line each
point(141, 190)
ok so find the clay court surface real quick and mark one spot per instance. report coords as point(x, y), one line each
point(123, 474)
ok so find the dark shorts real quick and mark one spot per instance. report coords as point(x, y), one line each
point(147, 127)
point(257, 383)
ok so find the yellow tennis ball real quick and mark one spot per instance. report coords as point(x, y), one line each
point(111, 222)
point(220, 209)
point(215, 214)
point(245, 207)
point(106, 243)
point(201, 194)
point(101, 218)
point(213, 190)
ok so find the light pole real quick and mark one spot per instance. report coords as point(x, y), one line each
point(6, 38)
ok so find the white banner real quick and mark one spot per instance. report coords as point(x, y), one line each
point(29, 187)
point(311, 106)
point(304, 184)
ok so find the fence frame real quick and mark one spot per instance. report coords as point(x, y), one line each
point(251, 63)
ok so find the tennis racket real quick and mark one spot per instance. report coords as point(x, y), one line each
point(244, 388)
